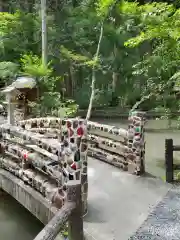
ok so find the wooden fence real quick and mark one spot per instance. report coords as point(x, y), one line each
point(170, 166)
point(71, 212)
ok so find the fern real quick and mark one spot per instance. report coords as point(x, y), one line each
point(32, 65)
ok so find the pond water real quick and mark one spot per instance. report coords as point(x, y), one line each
point(16, 223)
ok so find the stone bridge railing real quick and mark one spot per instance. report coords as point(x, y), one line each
point(120, 147)
point(46, 163)
point(71, 212)
point(123, 148)
point(47, 153)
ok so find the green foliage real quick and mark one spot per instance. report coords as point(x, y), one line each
point(50, 104)
point(15, 34)
point(32, 65)
point(103, 7)
point(176, 79)
point(140, 44)
point(8, 70)
point(159, 21)
point(160, 24)
point(77, 58)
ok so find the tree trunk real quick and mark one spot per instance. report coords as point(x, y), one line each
point(114, 81)
point(114, 100)
point(68, 85)
point(92, 95)
point(94, 75)
point(1, 6)
point(144, 98)
point(73, 80)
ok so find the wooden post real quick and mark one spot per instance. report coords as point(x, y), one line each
point(75, 221)
point(169, 160)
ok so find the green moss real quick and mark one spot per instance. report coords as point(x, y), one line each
point(161, 164)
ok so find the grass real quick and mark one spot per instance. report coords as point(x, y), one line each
point(161, 164)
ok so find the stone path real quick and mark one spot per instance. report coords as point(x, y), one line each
point(164, 222)
point(119, 203)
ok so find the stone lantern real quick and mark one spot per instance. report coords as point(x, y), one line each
point(11, 94)
point(17, 96)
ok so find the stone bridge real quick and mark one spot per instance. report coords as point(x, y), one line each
point(41, 156)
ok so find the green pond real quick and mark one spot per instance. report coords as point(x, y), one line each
point(16, 223)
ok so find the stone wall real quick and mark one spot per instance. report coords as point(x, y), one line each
point(45, 162)
point(27, 196)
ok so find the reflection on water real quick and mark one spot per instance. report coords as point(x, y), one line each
point(16, 223)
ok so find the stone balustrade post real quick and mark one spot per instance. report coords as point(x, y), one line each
point(136, 143)
point(84, 170)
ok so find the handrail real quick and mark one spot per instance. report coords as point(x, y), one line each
point(51, 230)
point(71, 212)
point(111, 144)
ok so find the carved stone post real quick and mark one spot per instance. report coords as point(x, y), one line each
point(75, 220)
point(75, 131)
point(136, 143)
point(71, 211)
point(84, 189)
point(84, 171)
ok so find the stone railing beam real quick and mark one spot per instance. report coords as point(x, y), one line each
point(71, 212)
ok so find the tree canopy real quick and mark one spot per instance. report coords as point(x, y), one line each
point(137, 56)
